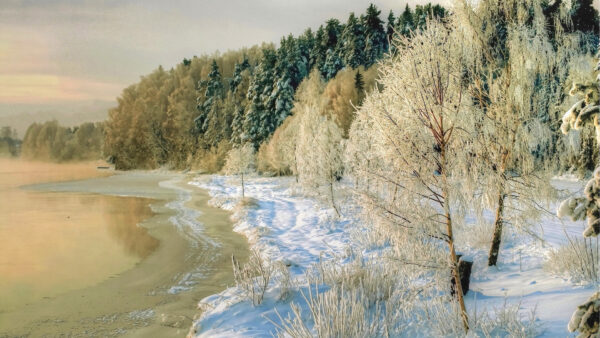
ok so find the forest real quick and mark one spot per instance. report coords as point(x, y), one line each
point(192, 114)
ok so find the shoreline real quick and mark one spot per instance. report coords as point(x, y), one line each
point(159, 295)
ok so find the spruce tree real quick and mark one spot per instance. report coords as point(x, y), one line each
point(306, 44)
point(257, 124)
point(353, 42)
point(405, 22)
point(319, 51)
point(333, 60)
point(213, 92)
point(359, 82)
point(237, 74)
point(284, 102)
point(375, 35)
point(584, 16)
point(390, 30)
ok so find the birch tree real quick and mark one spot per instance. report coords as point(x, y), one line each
point(240, 161)
point(417, 151)
point(319, 151)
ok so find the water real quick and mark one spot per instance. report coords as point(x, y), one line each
point(51, 243)
point(74, 260)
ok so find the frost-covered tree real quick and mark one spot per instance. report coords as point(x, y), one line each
point(410, 145)
point(318, 150)
point(511, 72)
point(240, 161)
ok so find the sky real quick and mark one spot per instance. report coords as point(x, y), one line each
point(63, 54)
point(70, 55)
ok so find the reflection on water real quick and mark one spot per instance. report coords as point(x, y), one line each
point(121, 220)
point(54, 242)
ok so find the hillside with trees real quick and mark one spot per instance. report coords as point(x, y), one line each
point(193, 114)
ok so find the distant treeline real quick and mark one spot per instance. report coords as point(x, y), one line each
point(50, 141)
point(10, 145)
point(192, 114)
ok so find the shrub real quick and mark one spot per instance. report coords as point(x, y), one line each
point(253, 278)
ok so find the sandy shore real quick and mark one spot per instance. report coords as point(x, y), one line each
point(158, 297)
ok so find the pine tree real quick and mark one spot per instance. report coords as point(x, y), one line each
point(332, 45)
point(405, 22)
point(333, 64)
point(290, 64)
point(284, 102)
point(376, 43)
point(237, 74)
point(353, 42)
point(306, 44)
point(391, 30)
point(258, 123)
point(319, 51)
point(359, 82)
point(584, 16)
point(213, 92)
point(237, 96)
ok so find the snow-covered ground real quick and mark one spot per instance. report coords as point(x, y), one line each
point(299, 231)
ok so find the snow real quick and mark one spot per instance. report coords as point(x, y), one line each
point(298, 230)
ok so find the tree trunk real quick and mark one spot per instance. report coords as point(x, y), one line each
point(459, 291)
point(454, 259)
point(242, 185)
point(332, 198)
point(498, 224)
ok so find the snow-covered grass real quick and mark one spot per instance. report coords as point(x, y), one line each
point(340, 273)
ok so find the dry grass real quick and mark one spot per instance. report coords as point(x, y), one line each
point(253, 278)
point(579, 260)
